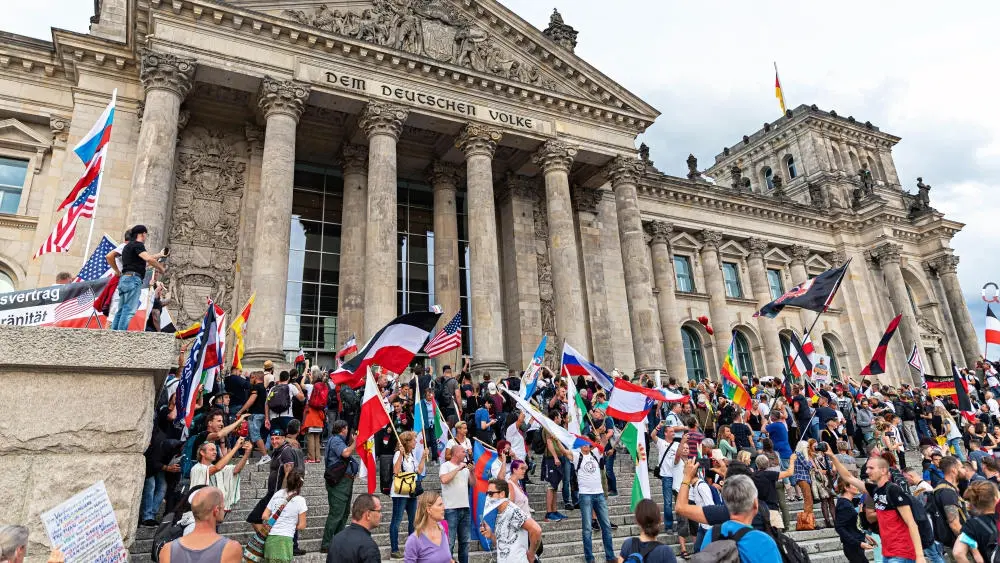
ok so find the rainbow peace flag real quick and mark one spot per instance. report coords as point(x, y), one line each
point(731, 384)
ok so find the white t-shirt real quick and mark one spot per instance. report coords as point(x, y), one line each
point(455, 492)
point(673, 420)
point(953, 431)
point(466, 445)
point(118, 255)
point(512, 538)
point(765, 410)
point(994, 406)
point(701, 495)
point(516, 440)
point(667, 451)
point(409, 465)
point(589, 473)
point(285, 526)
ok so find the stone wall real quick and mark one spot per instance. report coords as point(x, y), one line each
point(77, 408)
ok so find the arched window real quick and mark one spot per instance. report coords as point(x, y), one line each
point(790, 166)
point(837, 161)
point(744, 362)
point(831, 350)
point(693, 356)
point(786, 345)
point(854, 163)
point(768, 177)
point(6, 283)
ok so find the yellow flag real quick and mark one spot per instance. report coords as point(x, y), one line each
point(777, 90)
point(237, 327)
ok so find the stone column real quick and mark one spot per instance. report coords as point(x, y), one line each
point(166, 80)
point(666, 299)
point(799, 255)
point(382, 123)
point(762, 293)
point(281, 102)
point(479, 142)
point(887, 256)
point(953, 348)
point(624, 173)
point(445, 179)
point(715, 285)
point(585, 202)
point(940, 369)
point(555, 159)
point(947, 269)
point(353, 234)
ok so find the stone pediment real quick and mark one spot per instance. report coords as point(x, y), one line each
point(483, 37)
point(15, 133)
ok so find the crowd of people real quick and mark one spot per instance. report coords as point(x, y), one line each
point(722, 469)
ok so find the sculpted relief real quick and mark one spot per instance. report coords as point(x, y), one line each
point(210, 175)
point(431, 28)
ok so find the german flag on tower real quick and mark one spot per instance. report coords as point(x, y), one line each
point(777, 89)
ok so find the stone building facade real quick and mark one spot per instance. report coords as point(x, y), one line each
point(347, 161)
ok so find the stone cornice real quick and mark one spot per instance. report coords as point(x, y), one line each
point(611, 110)
point(19, 222)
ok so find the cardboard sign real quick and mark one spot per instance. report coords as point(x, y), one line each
point(84, 528)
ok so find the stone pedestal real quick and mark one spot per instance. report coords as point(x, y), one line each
point(353, 232)
point(479, 142)
point(55, 444)
point(167, 80)
point(382, 123)
point(773, 360)
point(887, 256)
point(947, 269)
point(624, 173)
point(444, 178)
point(666, 299)
point(281, 103)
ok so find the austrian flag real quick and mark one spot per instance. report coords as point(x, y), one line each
point(631, 403)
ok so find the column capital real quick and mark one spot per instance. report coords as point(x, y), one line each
point(711, 239)
point(443, 175)
point(478, 139)
point(799, 254)
point(837, 258)
point(381, 118)
point(886, 253)
point(354, 158)
point(166, 72)
point(758, 247)
point(585, 199)
point(282, 97)
point(554, 155)
point(516, 185)
point(624, 170)
point(659, 231)
point(944, 264)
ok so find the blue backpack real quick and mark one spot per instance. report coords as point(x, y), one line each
point(640, 554)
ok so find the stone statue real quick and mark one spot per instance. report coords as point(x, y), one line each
point(817, 197)
point(644, 152)
point(737, 175)
point(692, 163)
point(867, 182)
point(921, 203)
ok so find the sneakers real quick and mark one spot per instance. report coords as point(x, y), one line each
point(594, 525)
point(613, 494)
point(149, 523)
point(396, 555)
point(569, 506)
point(264, 460)
point(554, 516)
point(561, 515)
point(298, 552)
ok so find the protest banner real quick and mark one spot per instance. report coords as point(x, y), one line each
point(821, 369)
point(84, 528)
point(68, 305)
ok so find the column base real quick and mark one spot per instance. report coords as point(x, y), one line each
point(254, 359)
point(496, 368)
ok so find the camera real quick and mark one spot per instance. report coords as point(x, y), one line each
point(822, 447)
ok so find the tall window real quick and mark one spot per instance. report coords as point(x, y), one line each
point(693, 357)
point(909, 295)
point(774, 283)
point(12, 175)
point(682, 270)
point(786, 346)
point(731, 275)
point(830, 350)
point(790, 166)
point(744, 362)
point(769, 178)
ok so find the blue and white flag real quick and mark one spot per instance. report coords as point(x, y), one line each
point(530, 379)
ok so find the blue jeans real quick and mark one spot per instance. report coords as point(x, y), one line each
point(667, 483)
point(399, 504)
point(459, 523)
point(153, 491)
point(933, 554)
point(785, 462)
point(922, 430)
point(255, 427)
point(569, 492)
point(588, 505)
point(897, 560)
point(129, 288)
point(609, 468)
point(814, 430)
point(957, 444)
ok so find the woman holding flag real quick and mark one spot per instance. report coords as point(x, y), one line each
point(404, 462)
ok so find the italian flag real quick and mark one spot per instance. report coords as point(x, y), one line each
point(634, 439)
point(440, 433)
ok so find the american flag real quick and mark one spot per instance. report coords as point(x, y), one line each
point(449, 338)
point(81, 208)
point(76, 306)
point(97, 265)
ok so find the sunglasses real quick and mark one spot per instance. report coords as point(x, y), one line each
point(491, 493)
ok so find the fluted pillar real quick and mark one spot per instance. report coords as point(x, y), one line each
point(382, 123)
point(940, 369)
point(762, 293)
point(281, 102)
point(799, 255)
point(887, 256)
point(166, 80)
point(444, 178)
point(624, 173)
point(954, 347)
point(555, 159)
point(666, 299)
point(715, 284)
point(353, 235)
point(947, 269)
point(479, 142)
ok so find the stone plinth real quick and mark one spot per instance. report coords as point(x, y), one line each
point(77, 407)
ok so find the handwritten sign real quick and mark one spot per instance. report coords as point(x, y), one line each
point(84, 528)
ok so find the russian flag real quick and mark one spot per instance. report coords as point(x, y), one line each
point(99, 135)
point(483, 459)
point(574, 364)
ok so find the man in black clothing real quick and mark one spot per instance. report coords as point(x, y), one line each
point(354, 544)
point(238, 387)
point(134, 261)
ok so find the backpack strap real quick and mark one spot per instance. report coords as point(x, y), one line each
point(650, 548)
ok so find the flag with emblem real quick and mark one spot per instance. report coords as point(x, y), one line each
point(97, 265)
point(816, 294)
point(238, 326)
point(447, 339)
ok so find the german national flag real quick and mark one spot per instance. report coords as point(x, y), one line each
point(941, 386)
point(188, 332)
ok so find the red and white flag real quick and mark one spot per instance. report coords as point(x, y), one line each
point(992, 327)
point(631, 403)
point(373, 418)
point(350, 347)
point(301, 357)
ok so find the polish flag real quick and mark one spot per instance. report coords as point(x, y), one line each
point(373, 418)
point(992, 327)
point(631, 403)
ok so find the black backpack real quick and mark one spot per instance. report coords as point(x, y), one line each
point(935, 514)
point(280, 399)
point(441, 393)
point(165, 533)
point(350, 401)
point(790, 551)
point(538, 443)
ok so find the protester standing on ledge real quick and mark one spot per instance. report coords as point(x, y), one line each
point(134, 260)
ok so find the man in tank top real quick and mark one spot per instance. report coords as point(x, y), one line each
point(204, 545)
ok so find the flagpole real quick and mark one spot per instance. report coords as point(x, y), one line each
point(798, 352)
point(100, 177)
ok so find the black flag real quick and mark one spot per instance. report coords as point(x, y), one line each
point(815, 294)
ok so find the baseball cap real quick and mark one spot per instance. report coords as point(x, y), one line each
point(277, 432)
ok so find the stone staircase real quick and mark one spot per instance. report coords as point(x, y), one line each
point(562, 540)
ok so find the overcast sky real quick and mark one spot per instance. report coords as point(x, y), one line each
point(922, 70)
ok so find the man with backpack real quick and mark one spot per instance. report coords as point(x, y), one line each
point(945, 505)
point(278, 408)
point(341, 470)
point(447, 394)
point(736, 540)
